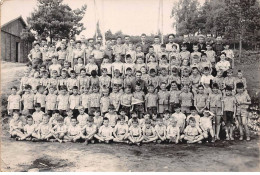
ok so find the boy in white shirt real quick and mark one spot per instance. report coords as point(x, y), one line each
point(105, 132)
point(38, 114)
point(55, 65)
point(179, 117)
point(173, 132)
point(74, 101)
point(82, 117)
point(59, 130)
point(30, 129)
point(73, 132)
point(89, 131)
point(223, 64)
point(16, 125)
point(194, 114)
point(121, 131)
point(14, 101)
point(206, 124)
point(112, 116)
point(160, 130)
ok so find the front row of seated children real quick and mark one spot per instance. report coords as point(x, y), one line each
point(112, 127)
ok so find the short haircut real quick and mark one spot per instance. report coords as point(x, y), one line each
point(143, 34)
point(29, 117)
point(78, 41)
point(63, 87)
point(111, 107)
point(135, 120)
point(193, 108)
point(13, 87)
point(72, 72)
point(200, 85)
point(223, 53)
point(37, 105)
point(75, 87)
point(128, 69)
point(121, 117)
point(83, 69)
point(178, 105)
point(138, 72)
point(171, 35)
point(240, 85)
point(105, 119)
point(151, 47)
point(192, 119)
point(174, 45)
point(163, 45)
point(27, 86)
point(215, 86)
point(164, 57)
point(228, 88)
point(166, 112)
point(128, 56)
point(203, 54)
point(152, 71)
point(93, 73)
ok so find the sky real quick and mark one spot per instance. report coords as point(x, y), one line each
point(132, 17)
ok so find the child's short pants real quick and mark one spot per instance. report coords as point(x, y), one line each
point(185, 109)
point(216, 110)
point(152, 110)
point(163, 107)
point(228, 117)
point(242, 112)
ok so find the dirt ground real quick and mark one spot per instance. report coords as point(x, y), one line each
point(31, 156)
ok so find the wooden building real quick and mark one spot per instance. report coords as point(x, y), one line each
point(13, 49)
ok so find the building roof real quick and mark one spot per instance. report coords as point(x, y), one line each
point(18, 18)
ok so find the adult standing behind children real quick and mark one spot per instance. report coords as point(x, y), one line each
point(202, 44)
point(218, 48)
point(144, 44)
point(170, 43)
point(186, 40)
point(35, 55)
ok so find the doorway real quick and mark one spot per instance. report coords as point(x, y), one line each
point(17, 54)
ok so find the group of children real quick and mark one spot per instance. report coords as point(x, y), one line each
point(161, 96)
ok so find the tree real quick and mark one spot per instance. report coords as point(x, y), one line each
point(186, 14)
point(109, 35)
point(53, 19)
point(27, 35)
point(244, 19)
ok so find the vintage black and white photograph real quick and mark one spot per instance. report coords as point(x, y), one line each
point(130, 85)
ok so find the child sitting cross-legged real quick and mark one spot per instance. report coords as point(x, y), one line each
point(149, 134)
point(135, 132)
point(173, 131)
point(206, 125)
point(121, 130)
point(73, 132)
point(59, 130)
point(105, 132)
point(89, 131)
point(44, 129)
point(29, 129)
point(192, 133)
point(160, 130)
point(16, 125)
